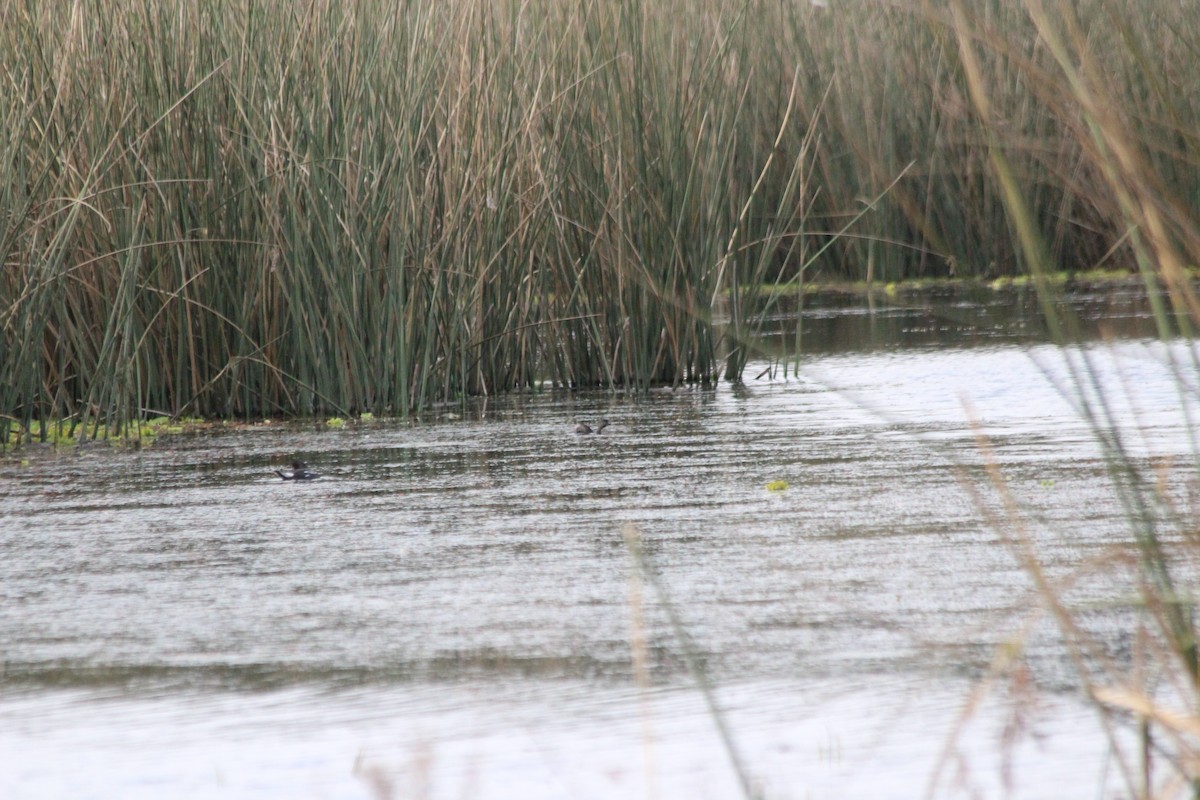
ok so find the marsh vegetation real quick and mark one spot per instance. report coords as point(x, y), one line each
point(277, 208)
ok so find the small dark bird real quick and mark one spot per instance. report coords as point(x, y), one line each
point(300, 472)
point(584, 428)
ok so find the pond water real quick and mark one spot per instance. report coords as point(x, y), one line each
point(453, 609)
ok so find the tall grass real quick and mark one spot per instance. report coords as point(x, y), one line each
point(250, 207)
point(1136, 156)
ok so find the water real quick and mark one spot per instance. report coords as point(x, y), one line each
point(449, 611)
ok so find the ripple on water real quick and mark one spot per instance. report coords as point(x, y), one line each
point(464, 586)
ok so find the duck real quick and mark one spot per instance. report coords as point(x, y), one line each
point(584, 428)
point(300, 472)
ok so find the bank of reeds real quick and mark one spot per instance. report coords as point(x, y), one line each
point(269, 207)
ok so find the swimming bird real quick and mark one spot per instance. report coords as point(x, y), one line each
point(584, 428)
point(300, 472)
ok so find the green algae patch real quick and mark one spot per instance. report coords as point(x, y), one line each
point(1089, 278)
point(68, 433)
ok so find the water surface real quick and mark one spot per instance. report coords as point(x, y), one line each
point(449, 610)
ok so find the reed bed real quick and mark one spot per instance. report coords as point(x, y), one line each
point(264, 207)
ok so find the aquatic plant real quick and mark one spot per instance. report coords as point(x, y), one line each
point(250, 210)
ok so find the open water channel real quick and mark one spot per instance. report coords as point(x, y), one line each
point(453, 610)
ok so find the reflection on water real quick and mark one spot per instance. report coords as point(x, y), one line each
point(957, 317)
point(535, 740)
point(457, 590)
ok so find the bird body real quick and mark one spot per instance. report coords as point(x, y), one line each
point(583, 428)
point(300, 472)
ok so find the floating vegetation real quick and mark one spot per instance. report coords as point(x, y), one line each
point(68, 433)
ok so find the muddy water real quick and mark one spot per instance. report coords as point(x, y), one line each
point(448, 611)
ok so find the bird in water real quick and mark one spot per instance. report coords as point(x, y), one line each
point(584, 428)
point(300, 472)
